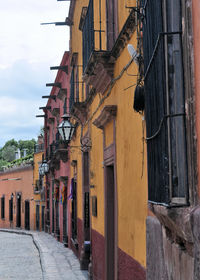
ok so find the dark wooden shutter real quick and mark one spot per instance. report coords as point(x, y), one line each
point(164, 102)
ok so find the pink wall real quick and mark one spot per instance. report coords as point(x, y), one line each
point(64, 169)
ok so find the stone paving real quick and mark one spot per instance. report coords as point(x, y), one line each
point(19, 258)
point(37, 255)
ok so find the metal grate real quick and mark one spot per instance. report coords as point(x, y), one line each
point(164, 102)
point(88, 35)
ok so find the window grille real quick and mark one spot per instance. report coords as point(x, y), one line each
point(164, 103)
point(88, 34)
point(72, 90)
point(111, 22)
point(77, 87)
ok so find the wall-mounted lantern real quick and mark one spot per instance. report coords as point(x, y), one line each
point(66, 129)
point(45, 166)
point(41, 170)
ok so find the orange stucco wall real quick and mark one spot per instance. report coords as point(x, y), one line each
point(37, 197)
point(17, 181)
point(196, 29)
point(130, 161)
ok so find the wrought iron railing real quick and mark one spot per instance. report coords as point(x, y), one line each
point(88, 34)
point(72, 90)
point(38, 148)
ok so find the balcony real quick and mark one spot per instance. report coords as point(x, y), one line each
point(58, 151)
point(38, 186)
point(96, 61)
point(76, 103)
point(88, 34)
point(39, 148)
point(55, 112)
point(62, 94)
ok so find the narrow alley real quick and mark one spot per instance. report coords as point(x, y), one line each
point(36, 255)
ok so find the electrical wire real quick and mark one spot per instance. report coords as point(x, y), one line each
point(113, 82)
point(161, 123)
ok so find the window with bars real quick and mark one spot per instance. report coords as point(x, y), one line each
point(165, 103)
point(88, 34)
point(111, 22)
point(2, 207)
point(78, 89)
point(72, 90)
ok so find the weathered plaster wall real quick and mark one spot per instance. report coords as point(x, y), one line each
point(169, 260)
point(24, 186)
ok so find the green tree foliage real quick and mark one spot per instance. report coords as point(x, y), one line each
point(7, 153)
point(11, 142)
point(2, 164)
point(28, 145)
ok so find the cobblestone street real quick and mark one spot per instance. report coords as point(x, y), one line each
point(19, 258)
point(36, 255)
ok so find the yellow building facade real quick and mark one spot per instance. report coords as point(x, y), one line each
point(108, 153)
point(38, 189)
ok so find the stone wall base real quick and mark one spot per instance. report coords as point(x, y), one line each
point(166, 260)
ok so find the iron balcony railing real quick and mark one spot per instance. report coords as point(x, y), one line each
point(55, 147)
point(72, 90)
point(38, 148)
point(88, 34)
point(78, 89)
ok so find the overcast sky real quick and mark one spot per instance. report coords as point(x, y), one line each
point(27, 50)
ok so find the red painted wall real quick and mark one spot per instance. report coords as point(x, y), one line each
point(128, 268)
point(50, 136)
point(98, 255)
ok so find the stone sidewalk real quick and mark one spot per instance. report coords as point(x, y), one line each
point(57, 262)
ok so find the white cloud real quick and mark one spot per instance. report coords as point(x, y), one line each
point(22, 36)
point(16, 120)
point(27, 50)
